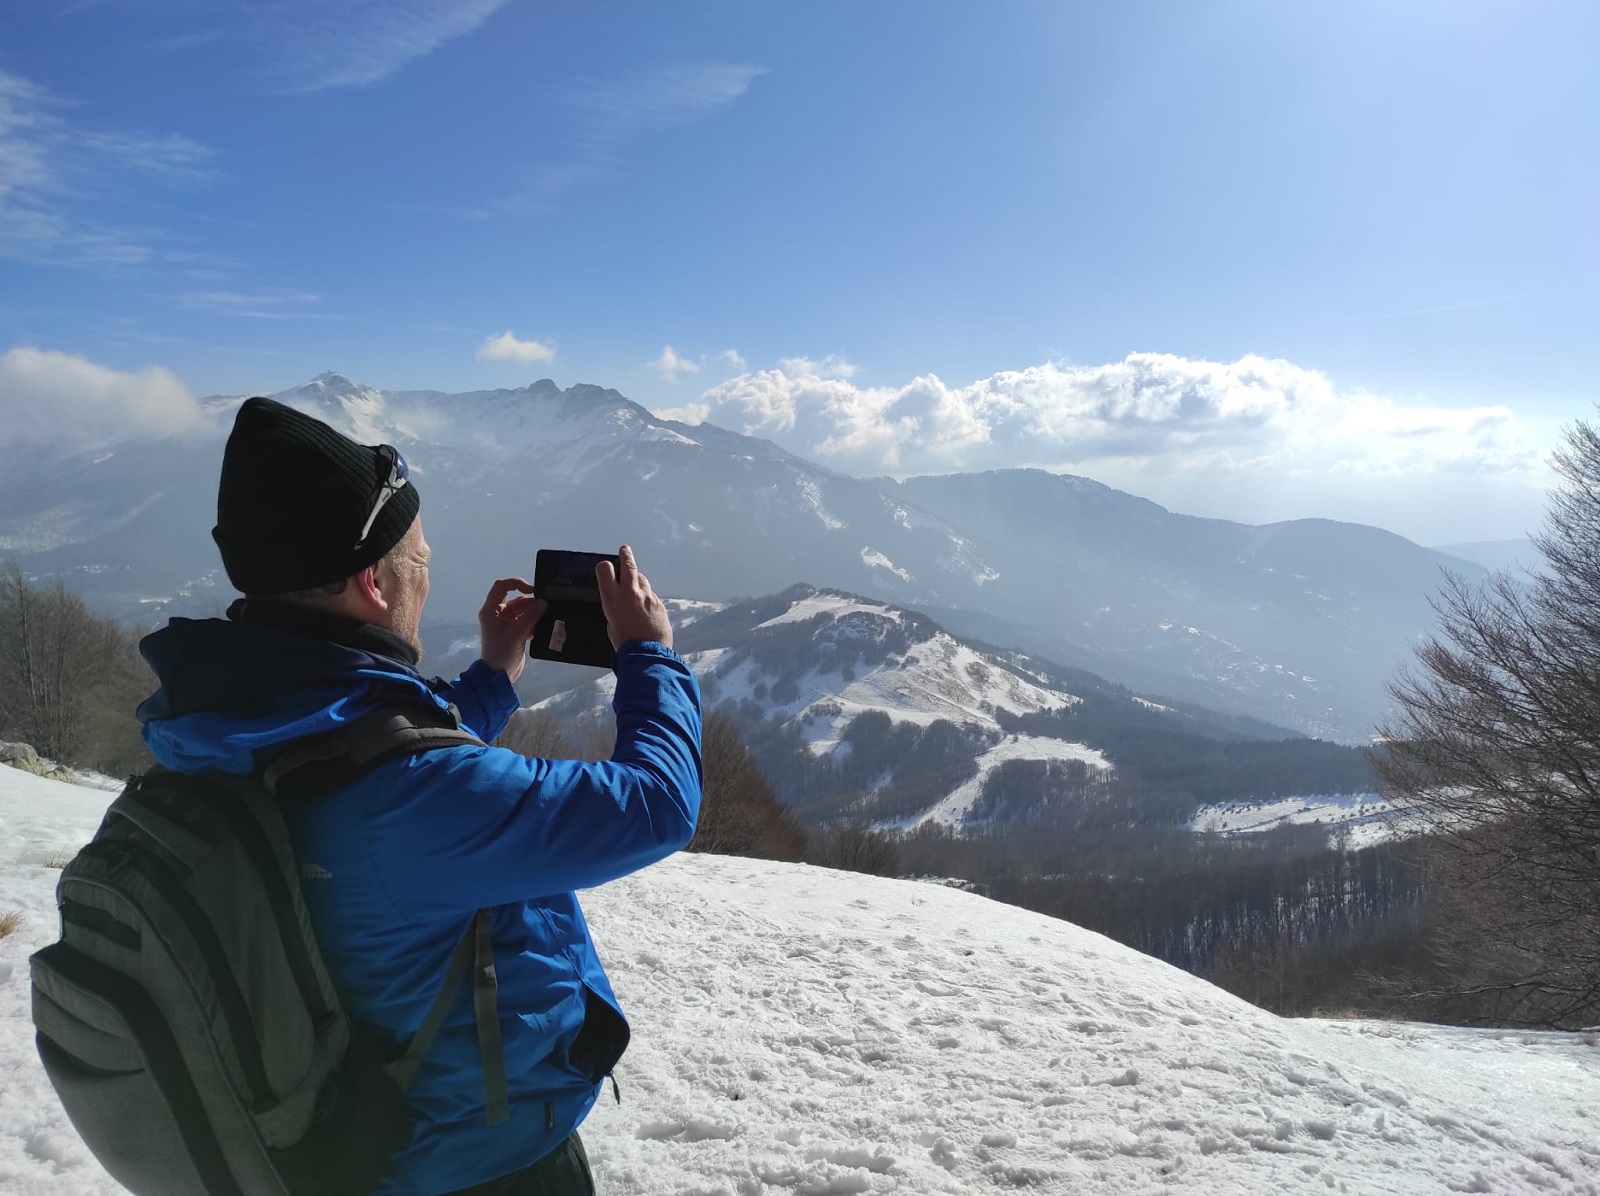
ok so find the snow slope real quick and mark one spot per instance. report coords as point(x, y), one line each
point(807, 1032)
point(957, 806)
point(1367, 818)
point(939, 677)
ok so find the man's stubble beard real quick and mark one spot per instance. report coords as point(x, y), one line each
point(407, 622)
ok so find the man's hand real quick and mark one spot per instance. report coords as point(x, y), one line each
point(633, 612)
point(505, 625)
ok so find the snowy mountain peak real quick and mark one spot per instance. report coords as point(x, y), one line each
point(353, 408)
point(328, 387)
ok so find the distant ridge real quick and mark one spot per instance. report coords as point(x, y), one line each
point(1298, 623)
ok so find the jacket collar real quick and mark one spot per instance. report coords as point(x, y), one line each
point(335, 629)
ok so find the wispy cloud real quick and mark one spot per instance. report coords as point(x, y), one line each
point(51, 171)
point(274, 305)
point(671, 366)
point(607, 114)
point(506, 347)
point(55, 398)
point(612, 112)
point(317, 44)
point(1453, 306)
point(1151, 413)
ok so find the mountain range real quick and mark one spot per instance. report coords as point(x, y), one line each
point(861, 710)
point(1299, 623)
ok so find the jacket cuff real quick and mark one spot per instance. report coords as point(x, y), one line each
point(494, 686)
point(650, 648)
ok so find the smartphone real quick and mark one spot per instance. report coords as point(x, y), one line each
point(573, 629)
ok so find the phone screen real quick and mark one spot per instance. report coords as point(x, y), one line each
point(563, 576)
point(573, 629)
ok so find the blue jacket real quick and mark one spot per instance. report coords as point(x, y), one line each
point(394, 864)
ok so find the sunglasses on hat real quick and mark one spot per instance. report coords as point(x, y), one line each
point(399, 472)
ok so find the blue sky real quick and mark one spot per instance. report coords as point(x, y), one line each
point(1250, 259)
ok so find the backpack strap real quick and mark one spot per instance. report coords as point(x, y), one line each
point(324, 761)
point(321, 762)
point(486, 1009)
point(476, 949)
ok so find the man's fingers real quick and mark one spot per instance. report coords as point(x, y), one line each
point(518, 607)
point(630, 567)
point(501, 588)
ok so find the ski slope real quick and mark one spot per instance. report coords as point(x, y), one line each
point(807, 1032)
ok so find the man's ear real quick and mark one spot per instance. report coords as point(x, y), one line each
point(373, 589)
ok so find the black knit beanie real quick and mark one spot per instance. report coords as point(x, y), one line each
point(293, 498)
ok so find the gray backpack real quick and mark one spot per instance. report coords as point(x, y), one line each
point(185, 1016)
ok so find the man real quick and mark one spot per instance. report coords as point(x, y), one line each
point(324, 538)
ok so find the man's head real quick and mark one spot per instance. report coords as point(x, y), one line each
point(306, 513)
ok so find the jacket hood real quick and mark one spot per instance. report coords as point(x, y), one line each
point(264, 676)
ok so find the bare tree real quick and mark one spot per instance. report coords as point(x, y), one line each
point(536, 734)
point(69, 679)
point(856, 847)
point(1497, 744)
point(740, 814)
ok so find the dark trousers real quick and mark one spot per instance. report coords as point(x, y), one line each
point(562, 1172)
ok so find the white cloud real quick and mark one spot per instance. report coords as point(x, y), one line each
point(1148, 414)
point(53, 398)
point(731, 357)
point(351, 43)
point(49, 167)
point(689, 413)
point(506, 347)
point(671, 365)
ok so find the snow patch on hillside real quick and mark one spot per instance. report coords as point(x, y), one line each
point(1366, 818)
point(687, 610)
point(833, 605)
point(811, 493)
point(955, 808)
point(876, 560)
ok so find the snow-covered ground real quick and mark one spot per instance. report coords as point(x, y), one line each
point(807, 1032)
point(1367, 818)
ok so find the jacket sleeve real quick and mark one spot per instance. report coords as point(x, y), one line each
point(462, 828)
point(485, 698)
